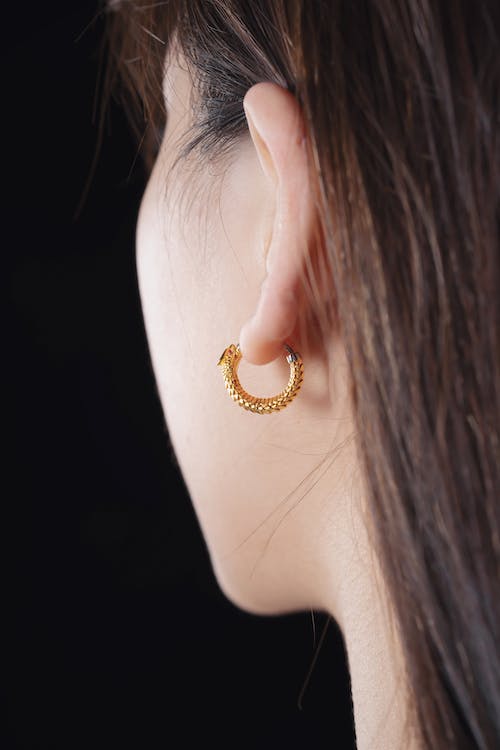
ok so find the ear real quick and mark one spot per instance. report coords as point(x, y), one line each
point(277, 130)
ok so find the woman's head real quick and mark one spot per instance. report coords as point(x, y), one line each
point(330, 176)
point(209, 239)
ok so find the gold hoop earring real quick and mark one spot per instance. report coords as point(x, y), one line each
point(229, 362)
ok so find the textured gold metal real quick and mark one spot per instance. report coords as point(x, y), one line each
point(229, 362)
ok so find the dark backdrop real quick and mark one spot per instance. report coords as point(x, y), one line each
point(117, 634)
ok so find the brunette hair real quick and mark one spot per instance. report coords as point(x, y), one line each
point(401, 105)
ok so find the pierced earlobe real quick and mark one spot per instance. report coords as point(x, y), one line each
point(229, 362)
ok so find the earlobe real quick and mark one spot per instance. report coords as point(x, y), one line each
point(277, 130)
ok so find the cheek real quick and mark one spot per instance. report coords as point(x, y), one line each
point(191, 314)
point(185, 325)
point(196, 292)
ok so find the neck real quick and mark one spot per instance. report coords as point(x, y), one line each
point(377, 676)
point(374, 656)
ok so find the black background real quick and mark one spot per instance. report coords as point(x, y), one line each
point(117, 634)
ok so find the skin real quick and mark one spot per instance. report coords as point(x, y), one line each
point(279, 498)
